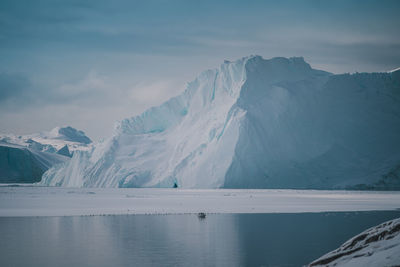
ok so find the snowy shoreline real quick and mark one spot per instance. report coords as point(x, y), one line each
point(60, 201)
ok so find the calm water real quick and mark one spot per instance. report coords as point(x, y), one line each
point(179, 240)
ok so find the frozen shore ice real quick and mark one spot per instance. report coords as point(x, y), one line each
point(59, 201)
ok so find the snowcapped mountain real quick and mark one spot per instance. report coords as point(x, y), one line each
point(255, 123)
point(25, 158)
point(377, 246)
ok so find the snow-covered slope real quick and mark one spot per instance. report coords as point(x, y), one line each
point(255, 123)
point(377, 246)
point(24, 159)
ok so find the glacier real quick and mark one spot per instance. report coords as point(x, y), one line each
point(24, 158)
point(254, 123)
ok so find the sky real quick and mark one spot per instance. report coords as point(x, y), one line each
point(88, 64)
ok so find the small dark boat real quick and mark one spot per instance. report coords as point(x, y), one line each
point(201, 215)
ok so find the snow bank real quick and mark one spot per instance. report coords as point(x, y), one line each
point(62, 201)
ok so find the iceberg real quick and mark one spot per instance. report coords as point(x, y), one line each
point(24, 159)
point(50, 141)
point(254, 123)
point(19, 164)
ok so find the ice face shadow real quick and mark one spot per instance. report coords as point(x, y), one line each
point(180, 240)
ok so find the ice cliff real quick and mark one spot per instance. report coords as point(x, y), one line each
point(255, 123)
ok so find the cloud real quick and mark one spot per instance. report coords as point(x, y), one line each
point(13, 86)
point(154, 92)
point(18, 91)
point(92, 86)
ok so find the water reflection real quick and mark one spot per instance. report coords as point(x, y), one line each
point(179, 240)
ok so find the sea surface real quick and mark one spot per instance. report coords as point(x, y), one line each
point(274, 239)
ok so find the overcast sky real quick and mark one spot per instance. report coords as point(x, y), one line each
point(89, 63)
